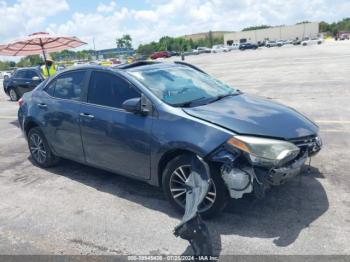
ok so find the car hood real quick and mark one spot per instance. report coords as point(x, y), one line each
point(251, 115)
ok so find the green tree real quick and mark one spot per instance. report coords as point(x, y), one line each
point(124, 42)
point(31, 60)
point(6, 65)
point(335, 28)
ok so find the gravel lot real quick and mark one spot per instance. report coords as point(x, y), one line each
point(73, 209)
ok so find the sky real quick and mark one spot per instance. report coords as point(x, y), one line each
point(148, 20)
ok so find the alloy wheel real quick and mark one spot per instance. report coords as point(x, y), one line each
point(178, 188)
point(37, 148)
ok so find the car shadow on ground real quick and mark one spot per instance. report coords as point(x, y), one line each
point(15, 123)
point(281, 215)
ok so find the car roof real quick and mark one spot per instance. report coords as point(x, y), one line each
point(142, 65)
point(28, 68)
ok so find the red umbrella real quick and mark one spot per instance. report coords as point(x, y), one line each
point(40, 43)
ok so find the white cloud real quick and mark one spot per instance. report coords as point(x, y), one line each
point(147, 15)
point(26, 16)
point(102, 8)
point(101, 26)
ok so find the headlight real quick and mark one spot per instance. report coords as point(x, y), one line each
point(264, 151)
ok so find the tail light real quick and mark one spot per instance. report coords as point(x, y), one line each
point(21, 101)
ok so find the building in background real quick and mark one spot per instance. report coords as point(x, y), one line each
point(298, 31)
point(204, 35)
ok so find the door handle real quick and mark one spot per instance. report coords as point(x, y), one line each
point(27, 82)
point(85, 115)
point(42, 105)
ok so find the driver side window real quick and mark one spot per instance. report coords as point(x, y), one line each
point(110, 90)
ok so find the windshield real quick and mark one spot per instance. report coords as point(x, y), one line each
point(183, 86)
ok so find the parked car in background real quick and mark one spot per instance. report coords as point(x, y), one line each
point(219, 49)
point(146, 120)
point(344, 37)
point(5, 74)
point(311, 41)
point(160, 54)
point(203, 50)
point(61, 67)
point(288, 42)
point(280, 43)
point(261, 43)
point(194, 52)
point(234, 46)
point(296, 42)
point(245, 46)
point(22, 81)
point(271, 43)
point(174, 53)
point(191, 52)
point(141, 57)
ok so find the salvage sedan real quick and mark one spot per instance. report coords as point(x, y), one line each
point(146, 119)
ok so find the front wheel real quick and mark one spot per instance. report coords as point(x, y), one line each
point(39, 149)
point(174, 177)
point(13, 95)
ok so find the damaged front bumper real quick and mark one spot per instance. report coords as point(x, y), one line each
point(241, 176)
point(277, 176)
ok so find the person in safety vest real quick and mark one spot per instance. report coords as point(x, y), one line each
point(49, 69)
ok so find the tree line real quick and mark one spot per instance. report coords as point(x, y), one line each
point(179, 44)
point(336, 27)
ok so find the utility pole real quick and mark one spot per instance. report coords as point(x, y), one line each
point(93, 41)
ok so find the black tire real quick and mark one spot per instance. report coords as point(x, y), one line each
point(219, 187)
point(13, 94)
point(40, 149)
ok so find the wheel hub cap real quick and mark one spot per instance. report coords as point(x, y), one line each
point(178, 188)
point(37, 148)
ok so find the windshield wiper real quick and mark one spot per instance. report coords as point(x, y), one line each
point(190, 103)
point(219, 97)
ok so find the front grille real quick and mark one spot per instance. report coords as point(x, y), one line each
point(312, 144)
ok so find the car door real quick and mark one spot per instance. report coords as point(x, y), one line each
point(24, 82)
point(17, 82)
point(58, 109)
point(113, 138)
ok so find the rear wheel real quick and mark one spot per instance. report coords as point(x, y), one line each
point(39, 149)
point(13, 95)
point(174, 177)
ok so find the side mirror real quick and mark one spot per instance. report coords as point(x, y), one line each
point(139, 105)
point(35, 78)
point(132, 105)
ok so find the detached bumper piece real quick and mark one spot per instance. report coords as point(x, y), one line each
point(278, 176)
point(192, 227)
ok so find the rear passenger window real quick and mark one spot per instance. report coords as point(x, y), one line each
point(50, 88)
point(109, 90)
point(69, 85)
